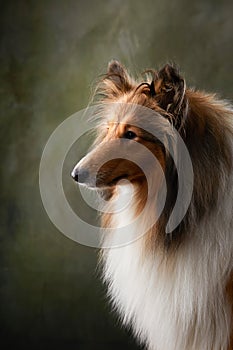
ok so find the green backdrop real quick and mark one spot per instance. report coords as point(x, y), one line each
point(52, 52)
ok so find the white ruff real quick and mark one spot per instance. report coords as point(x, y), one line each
point(183, 307)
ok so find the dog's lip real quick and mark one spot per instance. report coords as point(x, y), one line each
point(111, 183)
point(115, 180)
point(101, 185)
point(120, 177)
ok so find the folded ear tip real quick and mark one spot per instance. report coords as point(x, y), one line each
point(170, 72)
point(113, 61)
point(114, 65)
point(171, 68)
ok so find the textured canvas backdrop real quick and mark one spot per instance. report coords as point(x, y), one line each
point(51, 54)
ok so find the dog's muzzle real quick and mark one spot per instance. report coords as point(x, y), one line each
point(80, 175)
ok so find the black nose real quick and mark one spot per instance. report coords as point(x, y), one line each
point(80, 175)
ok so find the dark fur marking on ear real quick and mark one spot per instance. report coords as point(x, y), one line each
point(152, 89)
point(170, 89)
point(119, 76)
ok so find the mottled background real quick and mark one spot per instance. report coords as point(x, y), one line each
point(51, 54)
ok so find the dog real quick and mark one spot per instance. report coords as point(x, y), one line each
point(174, 289)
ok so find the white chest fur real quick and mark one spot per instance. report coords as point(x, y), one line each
point(178, 308)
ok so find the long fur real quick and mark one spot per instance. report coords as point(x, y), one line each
point(175, 291)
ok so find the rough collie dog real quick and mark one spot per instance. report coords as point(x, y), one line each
point(174, 289)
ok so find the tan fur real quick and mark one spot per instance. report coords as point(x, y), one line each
point(187, 275)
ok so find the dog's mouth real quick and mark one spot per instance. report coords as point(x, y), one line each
point(119, 178)
point(112, 182)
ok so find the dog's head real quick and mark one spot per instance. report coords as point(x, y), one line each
point(116, 155)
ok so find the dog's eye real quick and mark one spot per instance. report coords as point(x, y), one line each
point(130, 135)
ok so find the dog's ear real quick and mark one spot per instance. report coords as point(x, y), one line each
point(116, 81)
point(168, 88)
point(119, 76)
